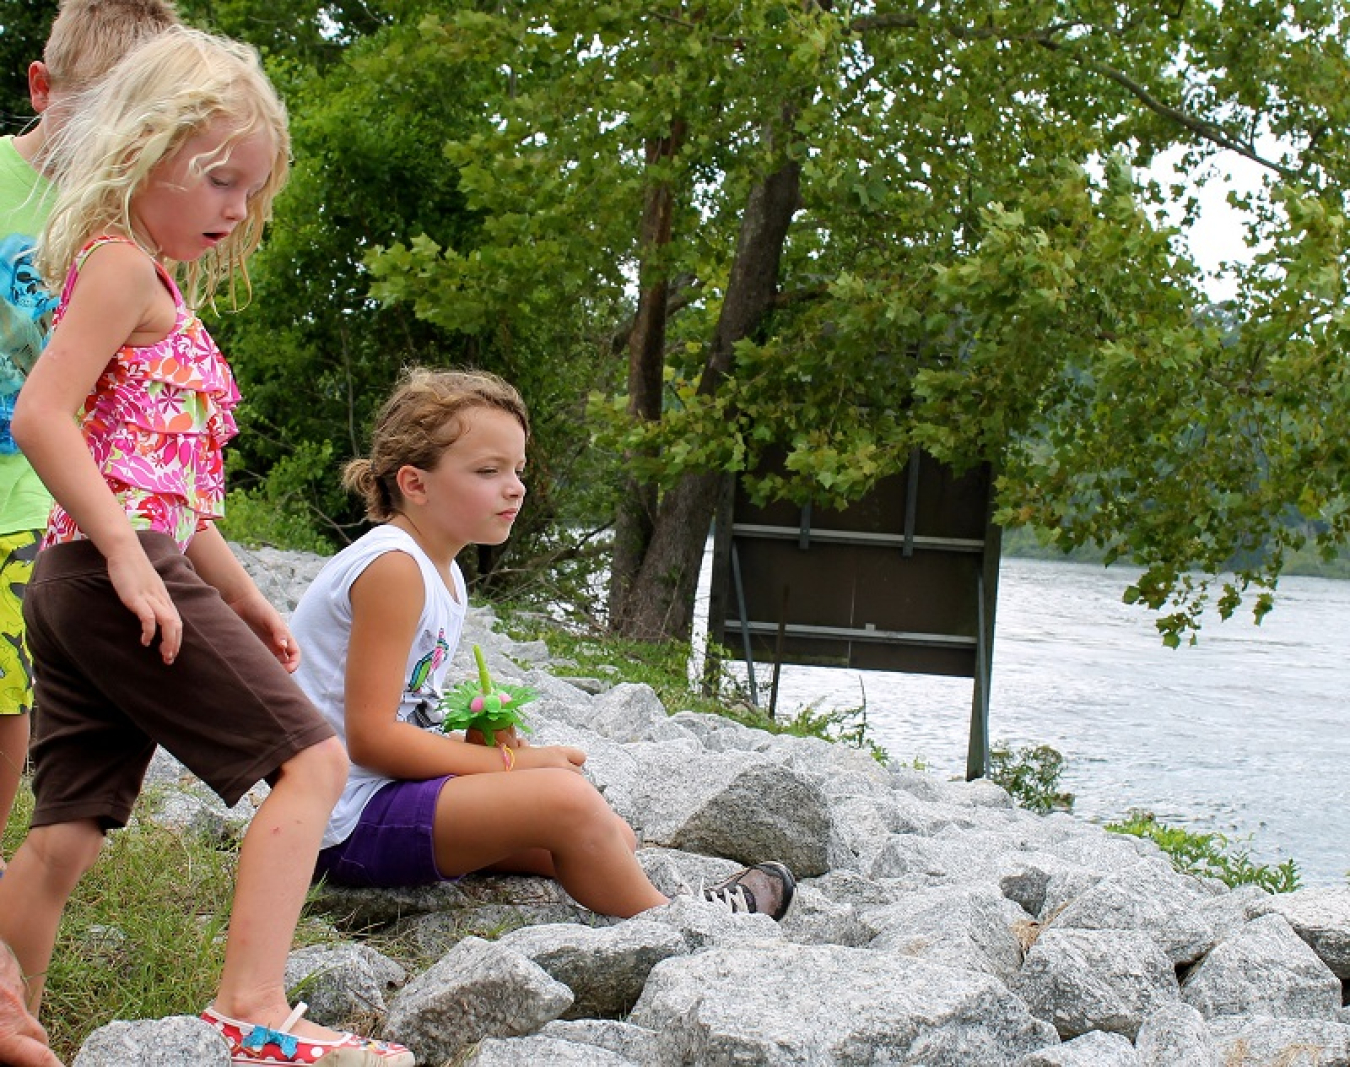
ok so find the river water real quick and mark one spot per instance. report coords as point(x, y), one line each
point(1246, 733)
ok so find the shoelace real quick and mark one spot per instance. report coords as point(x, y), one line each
point(734, 898)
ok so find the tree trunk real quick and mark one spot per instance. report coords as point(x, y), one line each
point(660, 599)
point(636, 514)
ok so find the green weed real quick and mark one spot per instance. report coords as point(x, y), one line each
point(1210, 855)
point(1031, 775)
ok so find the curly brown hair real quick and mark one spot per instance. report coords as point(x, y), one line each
point(423, 418)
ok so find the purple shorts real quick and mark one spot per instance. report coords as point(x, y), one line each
point(392, 845)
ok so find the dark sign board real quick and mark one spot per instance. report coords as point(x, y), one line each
point(905, 579)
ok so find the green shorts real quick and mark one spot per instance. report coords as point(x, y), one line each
point(17, 553)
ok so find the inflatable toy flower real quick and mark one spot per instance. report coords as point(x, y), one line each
point(483, 706)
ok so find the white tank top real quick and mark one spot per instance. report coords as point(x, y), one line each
point(322, 625)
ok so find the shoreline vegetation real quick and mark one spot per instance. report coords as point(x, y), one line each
point(157, 903)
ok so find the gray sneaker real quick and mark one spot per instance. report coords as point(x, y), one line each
point(765, 888)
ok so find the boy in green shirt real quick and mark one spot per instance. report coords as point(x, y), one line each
point(87, 38)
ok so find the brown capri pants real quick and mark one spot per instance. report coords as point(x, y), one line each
point(225, 707)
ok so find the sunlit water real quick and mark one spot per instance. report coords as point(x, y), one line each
point(1245, 733)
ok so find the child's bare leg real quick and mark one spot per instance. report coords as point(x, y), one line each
point(276, 861)
point(13, 752)
point(35, 888)
point(505, 821)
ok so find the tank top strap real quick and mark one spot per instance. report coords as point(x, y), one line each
point(106, 239)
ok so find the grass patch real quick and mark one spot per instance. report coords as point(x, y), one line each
point(665, 666)
point(142, 936)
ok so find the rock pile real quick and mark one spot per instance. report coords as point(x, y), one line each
point(935, 923)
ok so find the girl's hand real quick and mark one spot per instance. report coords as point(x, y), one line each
point(142, 591)
point(563, 756)
point(265, 621)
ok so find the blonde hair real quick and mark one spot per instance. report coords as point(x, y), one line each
point(423, 418)
point(157, 98)
point(89, 37)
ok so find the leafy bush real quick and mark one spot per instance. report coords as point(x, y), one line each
point(1031, 775)
point(1209, 855)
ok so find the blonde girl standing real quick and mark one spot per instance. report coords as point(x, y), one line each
point(380, 625)
point(144, 628)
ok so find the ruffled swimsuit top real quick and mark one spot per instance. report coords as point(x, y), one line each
point(156, 423)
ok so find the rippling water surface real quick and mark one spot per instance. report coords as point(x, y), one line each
point(1246, 733)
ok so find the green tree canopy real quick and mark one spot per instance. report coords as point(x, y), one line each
point(315, 354)
point(867, 227)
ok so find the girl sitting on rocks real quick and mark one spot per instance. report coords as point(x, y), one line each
point(379, 628)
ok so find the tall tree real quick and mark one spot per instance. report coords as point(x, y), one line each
point(928, 223)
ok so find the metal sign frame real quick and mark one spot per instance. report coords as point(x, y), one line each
point(905, 579)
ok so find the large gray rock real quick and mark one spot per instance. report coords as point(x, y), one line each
point(705, 925)
point(1149, 896)
point(1084, 980)
point(539, 1049)
point(1095, 1049)
point(624, 1039)
point(477, 990)
point(716, 733)
point(951, 856)
point(473, 905)
point(1175, 1033)
point(845, 766)
point(1263, 969)
point(738, 805)
point(604, 968)
point(631, 712)
point(1086, 845)
point(584, 1042)
point(777, 1004)
point(845, 886)
point(816, 919)
point(1229, 911)
point(179, 1041)
point(969, 927)
point(197, 812)
point(342, 982)
point(282, 577)
point(1260, 1041)
point(1026, 879)
point(1322, 918)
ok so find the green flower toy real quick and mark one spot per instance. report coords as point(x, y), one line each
point(482, 706)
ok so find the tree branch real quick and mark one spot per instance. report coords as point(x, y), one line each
point(1045, 38)
point(1203, 128)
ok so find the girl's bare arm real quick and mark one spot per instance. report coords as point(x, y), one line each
point(118, 296)
point(387, 601)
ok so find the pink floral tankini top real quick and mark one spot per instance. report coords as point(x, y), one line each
point(156, 422)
